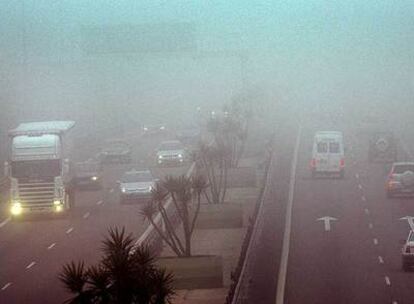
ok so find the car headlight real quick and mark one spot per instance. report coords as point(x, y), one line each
point(94, 178)
point(180, 156)
point(57, 202)
point(16, 208)
point(160, 157)
point(123, 190)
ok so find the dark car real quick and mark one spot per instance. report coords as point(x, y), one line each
point(116, 151)
point(88, 175)
point(382, 147)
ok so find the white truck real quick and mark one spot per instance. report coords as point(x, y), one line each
point(38, 168)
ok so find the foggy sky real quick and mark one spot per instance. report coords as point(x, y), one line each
point(304, 52)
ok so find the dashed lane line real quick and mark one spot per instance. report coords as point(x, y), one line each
point(51, 246)
point(357, 175)
point(363, 198)
point(370, 225)
point(375, 241)
point(387, 281)
point(366, 210)
point(86, 215)
point(360, 186)
point(7, 285)
point(69, 230)
point(3, 223)
point(99, 203)
point(380, 260)
point(111, 190)
point(31, 265)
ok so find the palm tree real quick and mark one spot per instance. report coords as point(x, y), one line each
point(125, 275)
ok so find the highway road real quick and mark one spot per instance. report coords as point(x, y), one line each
point(356, 259)
point(32, 252)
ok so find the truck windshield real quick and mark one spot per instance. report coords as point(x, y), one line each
point(36, 168)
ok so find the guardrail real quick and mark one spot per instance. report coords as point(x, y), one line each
point(240, 277)
point(150, 236)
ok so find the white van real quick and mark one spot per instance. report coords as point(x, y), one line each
point(328, 153)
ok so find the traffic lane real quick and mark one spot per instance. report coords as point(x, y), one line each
point(85, 234)
point(25, 240)
point(387, 217)
point(336, 266)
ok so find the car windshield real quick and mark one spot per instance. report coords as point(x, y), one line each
point(400, 169)
point(36, 168)
point(171, 146)
point(136, 177)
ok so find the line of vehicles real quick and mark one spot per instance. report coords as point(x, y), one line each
point(42, 179)
point(328, 159)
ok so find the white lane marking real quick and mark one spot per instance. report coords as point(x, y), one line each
point(111, 190)
point(7, 285)
point(380, 260)
point(394, 302)
point(370, 225)
point(86, 215)
point(360, 186)
point(364, 198)
point(99, 202)
point(280, 292)
point(375, 241)
point(51, 246)
point(387, 281)
point(356, 175)
point(31, 265)
point(327, 221)
point(2, 224)
point(69, 230)
point(366, 211)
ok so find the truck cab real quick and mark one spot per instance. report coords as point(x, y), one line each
point(38, 169)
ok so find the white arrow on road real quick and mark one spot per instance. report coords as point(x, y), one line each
point(410, 220)
point(327, 221)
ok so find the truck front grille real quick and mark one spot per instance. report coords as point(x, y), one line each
point(36, 193)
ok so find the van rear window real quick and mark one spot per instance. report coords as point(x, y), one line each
point(322, 147)
point(334, 147)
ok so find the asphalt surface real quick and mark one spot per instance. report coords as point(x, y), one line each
point(32, 252)
point(358, 260)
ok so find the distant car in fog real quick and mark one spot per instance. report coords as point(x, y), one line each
point(116, 151)
point(407, 252)
point(171, 152)
point(328, 157)
point(401, 180)
point(190, 134)
point(88, 175)
point(155, 129)
point(382, 147)
point(136, 186)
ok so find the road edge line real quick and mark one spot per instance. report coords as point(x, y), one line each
point(281, 281)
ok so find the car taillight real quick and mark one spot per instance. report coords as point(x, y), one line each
point(342, 163)
point(313, 163)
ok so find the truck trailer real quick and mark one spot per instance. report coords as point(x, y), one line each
point(39, 168)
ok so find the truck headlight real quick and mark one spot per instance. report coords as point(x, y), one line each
point(57, 202)
point(160, 157)
point(58, 208)
point(123, 190)
point(180, 156)
point(16, 208)
point(94, 178)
